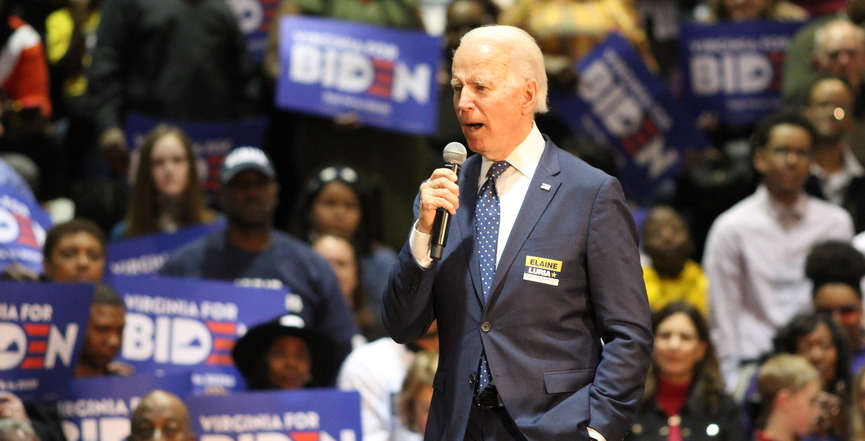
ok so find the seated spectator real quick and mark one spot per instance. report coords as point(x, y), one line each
point(341, 255)
point(161, 416)
point(41, 418)
point(738, 11)
point(74, 251)
point(836, 269)
point(336, 201)
point(250, 252)
point(836, 175)
point(15, 430)
point(416, 394)
point(684, 390)
point(755, 252)
point(377, 370)
point(104, 336)
point(789, 390)
point(25, 103)
point(671, 274)
point(12, 408)
point(283, 354)
point(821, 342)
point(166, 194)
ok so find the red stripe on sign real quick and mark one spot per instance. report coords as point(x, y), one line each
point(221, 359)
point(32, 363)
point(383, 77)
point(36, 330)
point(378, 64)
point(223, 344)
point(304, 436)
point(37, 347)
point(377, 90)
point(222, 328)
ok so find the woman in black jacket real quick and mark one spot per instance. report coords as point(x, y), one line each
point(684, 396)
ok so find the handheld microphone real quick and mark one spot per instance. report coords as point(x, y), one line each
point(454, 156)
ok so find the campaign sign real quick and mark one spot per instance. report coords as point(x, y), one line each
point(210, 140)
point(146, 254)
point(23, 224)
point(99, 408)
point(185, 325)
point(42, 327)
point(621, 104)
point(298, 415)
point(387, 77)
point(255, 18)
point(735, 69)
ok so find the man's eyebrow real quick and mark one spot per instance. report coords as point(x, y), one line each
point(455, 81)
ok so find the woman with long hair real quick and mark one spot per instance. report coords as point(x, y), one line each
point(166, 195)
point(684, 388)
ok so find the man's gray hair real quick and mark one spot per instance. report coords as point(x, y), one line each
point(821, 35)
point(527, 61)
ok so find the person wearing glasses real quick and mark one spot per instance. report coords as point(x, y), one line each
point(755, 251)
point(837, 268)
point(836, 174)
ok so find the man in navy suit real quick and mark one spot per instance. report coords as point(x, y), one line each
point(543, 323)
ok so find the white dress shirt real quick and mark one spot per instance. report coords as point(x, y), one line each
point(755, 262)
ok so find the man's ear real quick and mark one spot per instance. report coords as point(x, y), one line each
point(759, 159)
point(530, 97)
point(781, 399)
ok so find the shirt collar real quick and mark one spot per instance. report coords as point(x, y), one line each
point(786, 215)
point(525, 158)
point(851, 168)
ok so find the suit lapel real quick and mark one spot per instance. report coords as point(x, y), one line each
point(466, 221)
point(545, 183)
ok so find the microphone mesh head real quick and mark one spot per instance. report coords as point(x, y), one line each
point(455, 153)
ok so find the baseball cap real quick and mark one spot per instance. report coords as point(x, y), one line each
point(246, 158)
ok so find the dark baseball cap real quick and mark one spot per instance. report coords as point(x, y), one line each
point(246, 158)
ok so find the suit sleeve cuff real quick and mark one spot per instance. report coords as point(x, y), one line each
point(595, 435)
point(419, 244)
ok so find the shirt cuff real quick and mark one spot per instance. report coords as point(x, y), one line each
point(419, 244)
point(594, 434)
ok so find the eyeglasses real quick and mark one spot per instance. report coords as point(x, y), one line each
point(787, 152)
point(844, 310)
point(346, 174)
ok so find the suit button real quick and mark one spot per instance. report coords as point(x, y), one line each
point(486, 326)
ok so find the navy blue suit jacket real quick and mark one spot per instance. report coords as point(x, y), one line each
point(543, 342)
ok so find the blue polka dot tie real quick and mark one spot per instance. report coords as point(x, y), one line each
point(487, 231)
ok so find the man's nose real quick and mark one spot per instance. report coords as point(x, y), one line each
point(82, 260)
point(466, 100)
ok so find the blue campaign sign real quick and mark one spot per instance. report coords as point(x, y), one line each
point(210, 140)
point(621, 104)
point(185, 325)
point(146, 254)
point(735, 69)
point(42, 328)
point(385, 76)
point(99, 408)
point(23, 224)
point(301, 415)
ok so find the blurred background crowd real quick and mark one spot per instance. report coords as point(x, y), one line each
point(753, 260)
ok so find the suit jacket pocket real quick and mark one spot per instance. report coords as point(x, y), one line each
point(567, 381)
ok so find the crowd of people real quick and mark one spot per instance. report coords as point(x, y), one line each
point(754, 279)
